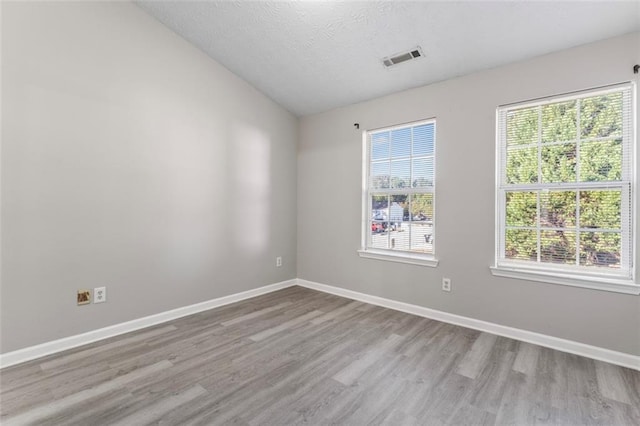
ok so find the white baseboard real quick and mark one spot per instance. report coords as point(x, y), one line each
point(570, 346)
point(48, 348)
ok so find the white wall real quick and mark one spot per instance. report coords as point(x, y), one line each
point(132, 160)
point(329, 200)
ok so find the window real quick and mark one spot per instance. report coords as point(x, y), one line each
point(399, 187)
point(565, 190)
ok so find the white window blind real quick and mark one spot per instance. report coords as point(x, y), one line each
point(399, 190)
point(565, 184)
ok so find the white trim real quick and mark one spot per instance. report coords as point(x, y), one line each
point(365, 227)
point(605, 284)
point(564, 345)
point(403, 257)
point(32, 352)
point(402, 125)
point(634, 177)
point(368, 192)
point(561, 97)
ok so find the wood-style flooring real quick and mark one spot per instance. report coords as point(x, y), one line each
point(298, 356)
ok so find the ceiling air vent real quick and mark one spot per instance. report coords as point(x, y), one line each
point(390, 61)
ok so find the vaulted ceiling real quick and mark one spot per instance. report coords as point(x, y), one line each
point(312, 56)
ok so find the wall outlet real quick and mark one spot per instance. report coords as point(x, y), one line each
point(279, 261)
point(446, 284)
point(99, 295)
point(83, 297)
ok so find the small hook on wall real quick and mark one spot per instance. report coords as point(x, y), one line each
point(356, 125)
point(636, 69)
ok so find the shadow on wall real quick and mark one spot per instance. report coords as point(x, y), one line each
point(250, 188)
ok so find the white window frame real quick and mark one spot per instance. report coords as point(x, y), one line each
point(621, 281)
point(413, 258)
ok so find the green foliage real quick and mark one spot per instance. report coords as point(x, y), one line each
point(558, 247)
point(522, 165)
point(559, 122)
point(601, 116)
point(415, 204)
point(558, 163)
point(600, 248)
point(522, 208)
point(558, 209)
point(422, 204)
point(522, 126)
point(402, 199)
point(600, 209)
point(521, 244)
point(601, 161)
point(379, 202)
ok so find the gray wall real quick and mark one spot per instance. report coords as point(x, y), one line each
point(329, 200)
point(132, 160)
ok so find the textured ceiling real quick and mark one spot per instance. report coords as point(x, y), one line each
point(314, 56)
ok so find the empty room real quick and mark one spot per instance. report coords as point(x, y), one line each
point(319, 212)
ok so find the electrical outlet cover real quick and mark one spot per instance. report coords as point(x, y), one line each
point(446, 284)
point(99, 295)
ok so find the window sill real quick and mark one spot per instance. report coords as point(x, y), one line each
point(615, 285)
point(412, 259)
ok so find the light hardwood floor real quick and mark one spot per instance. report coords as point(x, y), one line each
point(299, 356)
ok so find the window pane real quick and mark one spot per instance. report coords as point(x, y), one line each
point(558, 247)
point(521, 244)
point(399, 232)
point(522, 165)
point(379, 221)
point(423, 173)
point(558, 209)
point(600, 209)
point(380, 146)
point(379, 237)
point(522, 208)
point(421, 227)
point(601, 160)
point(559, 122)
point(400, 173)
point(422, 207)
point(379, 205)
point(559, 163)
point(380, 175)
point(600, 249)
point(401, 143)
point(601, 116)
point(399, 207)
point(398, 239)
point(422, 237)
point(405, 224)
point(423, 139)
point(522, 126)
